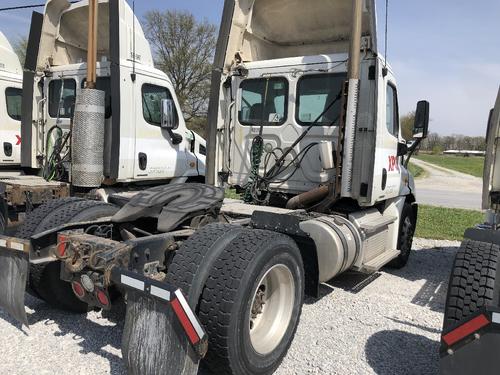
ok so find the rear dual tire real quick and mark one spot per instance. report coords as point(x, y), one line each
point(44, 279)
point(251, 303)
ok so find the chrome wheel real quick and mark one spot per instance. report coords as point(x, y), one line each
point(271, 309)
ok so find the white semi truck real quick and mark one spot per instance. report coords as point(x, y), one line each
point(131, 149)
point(304, 122)
point(11, 78)
point(470, 338)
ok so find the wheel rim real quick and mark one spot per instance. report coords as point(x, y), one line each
point(271, 309)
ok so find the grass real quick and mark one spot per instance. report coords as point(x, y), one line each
point(232, 194)
point(445, 223)
point(472, 165)
point(416, 171)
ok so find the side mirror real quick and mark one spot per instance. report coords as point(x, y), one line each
point(168, 115)
point(421, 126)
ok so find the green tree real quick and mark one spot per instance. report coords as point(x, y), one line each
point(407, 123)
point(184, 49)
point(20, 46)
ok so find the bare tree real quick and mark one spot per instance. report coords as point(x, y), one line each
point(184, 49)
point(20, 46)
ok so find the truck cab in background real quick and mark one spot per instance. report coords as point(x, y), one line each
point(137, 148)
point(10, 107)
point(138, 151)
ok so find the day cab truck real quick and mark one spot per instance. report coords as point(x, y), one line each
point(304, 123)
point(11, 78)
point(59, 156)
point(471, 329)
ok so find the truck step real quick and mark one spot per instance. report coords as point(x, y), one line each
point(378, 262)
point(375, 224)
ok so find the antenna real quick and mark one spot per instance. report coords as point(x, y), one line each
point(386, 35)
point(133, 76)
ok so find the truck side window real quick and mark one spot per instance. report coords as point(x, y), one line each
point(67, 104)
point(264, 101)
point(392, 111)
point(151, 103)
point(315, 93)
point(103, 84)
point(14, 99)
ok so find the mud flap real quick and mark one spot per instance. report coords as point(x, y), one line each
point(14, 268)
point(162, 334)
point(471, 347)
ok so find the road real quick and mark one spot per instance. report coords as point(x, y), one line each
point(446, 188)
point(389, 327)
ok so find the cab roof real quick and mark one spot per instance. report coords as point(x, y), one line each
point(9, 61)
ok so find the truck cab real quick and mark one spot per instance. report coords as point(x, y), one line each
point(283, 83)
point(10, 106)
point(137, 147)
point(283, 97)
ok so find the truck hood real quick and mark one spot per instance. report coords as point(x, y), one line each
point(271, 29)
point(491, 181)
point(9, 62)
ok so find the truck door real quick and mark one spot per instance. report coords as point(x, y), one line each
point(10, 146)
point(387, 171)
point(156, 156)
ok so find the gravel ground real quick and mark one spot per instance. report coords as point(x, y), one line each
point(391, 326)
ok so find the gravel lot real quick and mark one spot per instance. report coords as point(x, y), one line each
point(391, 326)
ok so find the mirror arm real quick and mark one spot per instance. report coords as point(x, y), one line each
point(176, 138)
point(411, 151)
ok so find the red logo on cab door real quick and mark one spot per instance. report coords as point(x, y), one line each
point(18, 140)
point(393, 164)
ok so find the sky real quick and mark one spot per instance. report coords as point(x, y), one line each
point(445, 51)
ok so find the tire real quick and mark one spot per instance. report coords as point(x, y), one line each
point(474, 281)
point(189, 270)
point(29, 228)
point(4, 216)
point(193, 262)
point(44, 280)
point(230, 303)
point(407, 228)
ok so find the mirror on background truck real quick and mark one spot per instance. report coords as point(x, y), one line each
point(421, 127)
point(168, 115)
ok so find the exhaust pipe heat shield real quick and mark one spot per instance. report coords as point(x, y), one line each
point(14, 269)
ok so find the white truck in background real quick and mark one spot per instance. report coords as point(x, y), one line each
point(11, 78)
point(471, 328)
point(133, 149)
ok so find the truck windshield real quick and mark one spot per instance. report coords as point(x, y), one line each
point(314, 94)
point(67, 104)
point(264, 101)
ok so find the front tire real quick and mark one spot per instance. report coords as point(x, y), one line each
point(407, 229)
point(252, 303)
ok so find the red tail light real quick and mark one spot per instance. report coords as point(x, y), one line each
point(62, 241)
point(78, 289)
point(465, 330)
point(103, 298)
